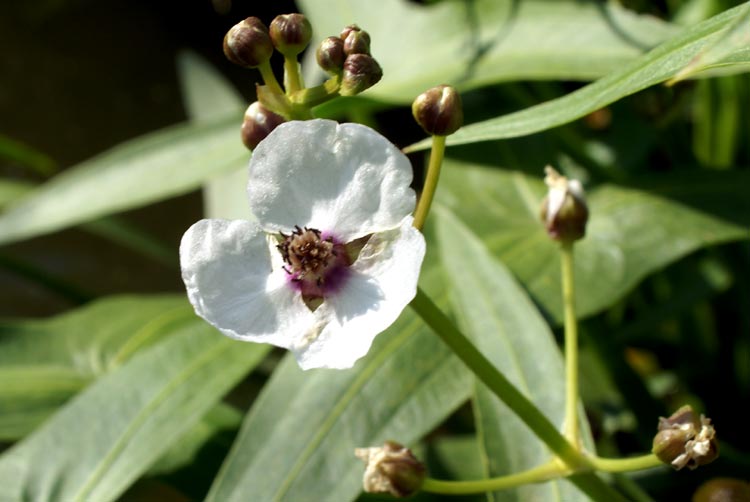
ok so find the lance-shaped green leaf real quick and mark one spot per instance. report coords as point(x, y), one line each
point(43, 363)
point(488, 41)
point(631, 232)
point(662, 63)
point(496, 313)
point(110, 434)
point(735, 39)
point(297, 442)
point(153, 167)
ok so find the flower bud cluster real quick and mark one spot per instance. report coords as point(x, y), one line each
point(250, 43)
point(348, 57)
point(392, 469)
point(684, 440)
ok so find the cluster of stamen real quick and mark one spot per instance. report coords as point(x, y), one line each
point(308, 256)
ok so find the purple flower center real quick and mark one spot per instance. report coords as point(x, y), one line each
point(317, 265)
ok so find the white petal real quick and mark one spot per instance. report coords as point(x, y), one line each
point(226, 266)
point(346, 179)
point(383, 282)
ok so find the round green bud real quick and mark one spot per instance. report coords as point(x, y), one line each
point(357, 42)
point(361, 72)
point(290, 33)
point(438, 110)
point(258, 123)
point(248, 43)
point(723, 490)
point(330, 55)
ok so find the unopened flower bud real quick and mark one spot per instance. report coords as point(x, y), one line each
point(257, 124)
point(684, 440)
point(438, 110)
point(361, 72)
point(330, 55)
point(564, 211)
point(290, 33)
point(248, 43)
point(392, 469)
point(723, 490)
point(357, 42)
point(346, 31)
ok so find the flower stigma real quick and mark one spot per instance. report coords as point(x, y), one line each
point(317, 264)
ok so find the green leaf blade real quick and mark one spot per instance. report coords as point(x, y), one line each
point(508, 329)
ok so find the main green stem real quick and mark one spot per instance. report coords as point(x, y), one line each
point(431, 181)
point(570, 427)
point(486, 372)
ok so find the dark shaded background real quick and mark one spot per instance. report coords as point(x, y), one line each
point(78, 77)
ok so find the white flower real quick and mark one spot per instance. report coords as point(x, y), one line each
point(331, 259)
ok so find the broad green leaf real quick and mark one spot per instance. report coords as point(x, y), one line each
point(631, 232)
point(496, 313)
point(111, 433)
point(153, 167)
point(114, 229)
point(209, 96)
point(297, 442)
point(221, 417)
point(659, 65)
point(488, 41)
point(43, 363)
point(11, 190)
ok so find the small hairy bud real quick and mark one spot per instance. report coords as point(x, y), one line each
point(357, 42)
point(248, 43)
point(330, 55)
point(684, 440)
point(564, 211)
point(723, 490)
point(438, 110)
point(361, 72)
point(392, 469)
point(290, 33)
point(257, 124)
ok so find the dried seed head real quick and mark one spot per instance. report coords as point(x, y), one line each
point(392, 469)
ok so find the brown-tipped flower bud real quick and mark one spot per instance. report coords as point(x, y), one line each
point(438, 110)
point(248, 43)
point(723, 490)
point(357, 42)
point(684, 440)
point(361, 72)
point(345, 32)
point(564, 211)
point(392, 469)
point(257, 124)
point(290, 33)
point(330, 55)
